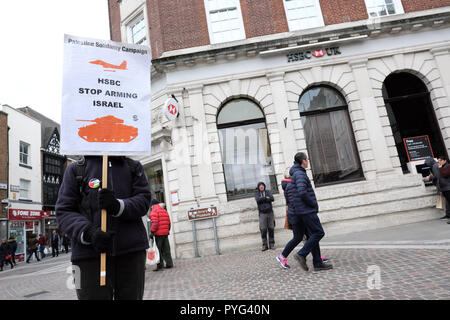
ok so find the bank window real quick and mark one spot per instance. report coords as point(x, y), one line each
point(24, 153)
point(379, 8)
point(303, 14)
point(245, 148)
point(224, 19)
point(137, 31)
point(24, 189)
point(329, 137)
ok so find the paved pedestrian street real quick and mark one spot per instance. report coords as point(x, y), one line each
point(394, 271)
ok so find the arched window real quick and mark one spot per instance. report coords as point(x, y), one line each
point(329, 136)
point(411, 113)
point(245, 147)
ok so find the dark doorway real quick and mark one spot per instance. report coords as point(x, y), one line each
point(411, 113)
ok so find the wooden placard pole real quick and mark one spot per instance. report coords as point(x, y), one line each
point(103, 226)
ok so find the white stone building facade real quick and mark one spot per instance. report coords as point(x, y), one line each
point(205, 79)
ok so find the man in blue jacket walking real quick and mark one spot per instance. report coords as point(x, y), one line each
point(304, 204)
point(78, 212)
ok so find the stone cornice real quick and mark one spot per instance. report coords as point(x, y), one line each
point(409, 22)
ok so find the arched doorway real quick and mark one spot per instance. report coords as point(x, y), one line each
point(411, 113)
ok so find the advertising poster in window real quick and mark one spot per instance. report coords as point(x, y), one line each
point(106, 98)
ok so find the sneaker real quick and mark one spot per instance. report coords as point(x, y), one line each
point(283, 262)
point(324, 259)
point(323, 266)
point(448, 222)
point(444, 217)
point(264, 248)
point(302, 260)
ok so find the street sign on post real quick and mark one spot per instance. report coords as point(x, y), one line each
point(204, 213)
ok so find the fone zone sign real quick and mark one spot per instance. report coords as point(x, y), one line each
point(418, 148)
point(106, 98)
point(204, 213)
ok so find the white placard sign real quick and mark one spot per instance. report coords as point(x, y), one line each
point(106, 98)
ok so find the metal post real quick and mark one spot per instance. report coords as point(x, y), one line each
point(215, 236)
point(194, 231)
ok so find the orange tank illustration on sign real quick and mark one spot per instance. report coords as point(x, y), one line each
point(106, 65)
point(107, 129)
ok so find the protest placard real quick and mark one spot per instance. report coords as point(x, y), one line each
point(106, 98)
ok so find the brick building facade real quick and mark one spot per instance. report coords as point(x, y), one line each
point(348, 82)
point(3, 161)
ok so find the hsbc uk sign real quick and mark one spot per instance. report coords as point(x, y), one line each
point(313, 54)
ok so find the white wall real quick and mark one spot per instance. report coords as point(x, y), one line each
point(23, 128)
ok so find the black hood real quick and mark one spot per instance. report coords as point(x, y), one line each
point(261, 183)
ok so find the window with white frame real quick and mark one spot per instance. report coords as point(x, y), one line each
point(24, 153)
point(24, 189)
point(303, 14)
point(224, 20)
point(137, 30)
point(380, 8)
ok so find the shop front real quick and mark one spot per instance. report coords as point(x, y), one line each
point(21, 225)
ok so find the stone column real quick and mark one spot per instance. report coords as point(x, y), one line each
point(280, 100)
point(180, 156)
point(372, 118)
point(201, 144)
point(442, 58)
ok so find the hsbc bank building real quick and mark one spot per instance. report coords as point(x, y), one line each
point(362, 87)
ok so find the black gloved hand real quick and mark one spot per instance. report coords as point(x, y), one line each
point(107, 200)
point(102, 242)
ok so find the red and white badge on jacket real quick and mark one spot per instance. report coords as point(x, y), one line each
point(94, 183)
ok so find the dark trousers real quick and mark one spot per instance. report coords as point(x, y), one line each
point(299, 231)
point(31, 253)
point(2, 262)
point(55, 250)
point(446, 195)
point(125, 277)
point(162, 242)
point(315, 231)
point(66, 248)
point(267, 225)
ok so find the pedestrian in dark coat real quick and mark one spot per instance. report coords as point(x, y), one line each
point(5, 254)
point(66, 242)
point(303, 206)
point(33, 247)
point(78, 212)
point(264, 199)
point(13, 246)
point(442, 183)
point(160, 230)
point(55, 243)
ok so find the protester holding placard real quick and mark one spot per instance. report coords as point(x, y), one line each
point(78, 212)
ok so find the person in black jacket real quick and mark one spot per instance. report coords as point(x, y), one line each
point(303, 205)
point(13, 246)
point(5, 254)
point(264, 199)
point(78, 213)
point(442, 184)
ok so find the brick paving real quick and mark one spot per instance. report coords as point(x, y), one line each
point(405, 273)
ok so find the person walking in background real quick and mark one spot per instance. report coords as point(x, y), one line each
point(303, 202)
point(441, 182)
point(298, 228)
point(13, 247)
point(264, 199)
point(32, 247)
point(160, 230)
point(55, 244)
point(42, 244)
point(5, 254)
point(66, 242)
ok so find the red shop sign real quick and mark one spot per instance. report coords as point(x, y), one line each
point(21, 214)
